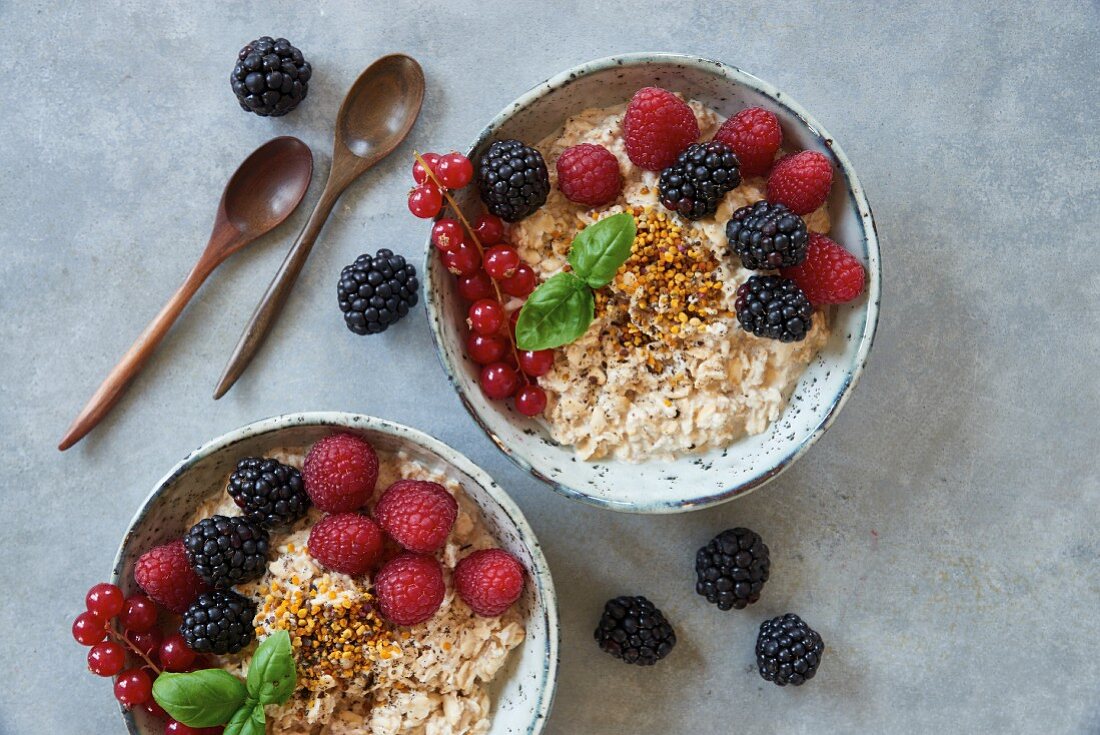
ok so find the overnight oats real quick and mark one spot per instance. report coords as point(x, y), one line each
point(389, 614)
point(652, 279)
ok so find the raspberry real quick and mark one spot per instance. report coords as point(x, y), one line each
point(417, 514)
point(589, 174)
point(340, 472)
point(755, 136)
point(347, 542)
point(489, 581)
point(801, 181)
point(657, 127)
point(164, 574)
point(410, 588)
point(829, 274)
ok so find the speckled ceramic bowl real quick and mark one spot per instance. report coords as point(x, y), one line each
point(522, 693)
point(693, 481)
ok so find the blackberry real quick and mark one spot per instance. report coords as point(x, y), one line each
point(270, 493)
point(271, 77)
point(787, 650)
point(633, 630)
point(774, 307)
point(218, 622)
point(513, 180)
point(376, 291)
point(695, 184)
point(225, 550)
point(767, 236)
point(732, 569)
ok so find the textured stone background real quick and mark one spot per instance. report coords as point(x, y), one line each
point(942, 536)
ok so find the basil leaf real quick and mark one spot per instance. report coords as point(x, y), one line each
point(555, 314)
point(201, 698)
point(600, 249)
point(271, 673)
point(248, 720)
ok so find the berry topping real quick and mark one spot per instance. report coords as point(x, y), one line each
point(420, 176)
point(498, 380)
point(485, 349)
point(105, 600)
point(147, 642)
point(657, 127)
point(476, 286)
point(89, 629)
point(425, 201)
point(501, 261)
point(513, 180)
point(376, 291)
point(463, 260)
point(489, 229)
point(340, 472)
point(133, 687)
point(139, 614)
point(489, 581)
point(486, 316)
point(106, 659)
point(531, 400)
point(346, 542)
point(174, 655)
point(521, 283)
point(447, 233)
point(589, 174)
point(801, 181)
point(774, 307)
point(754, 136)
point(829, 274)
point(417, 514)
point(732, 569)
point(536, 363)
point(165, 575)
point(633, 630)
point(767, 236)
point(410, 588)
point(269, 492)
point(271, 77)
point(788, 651)
point(218, 622)
point(454, 170)
point(695, 184)
point(225, 550)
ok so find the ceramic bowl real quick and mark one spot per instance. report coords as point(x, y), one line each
point(522, 693)
point(695, 481)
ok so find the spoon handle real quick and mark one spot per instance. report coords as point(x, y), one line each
point(114, 385)
point(271, 305)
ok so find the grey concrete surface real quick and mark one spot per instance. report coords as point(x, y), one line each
point(942, 536)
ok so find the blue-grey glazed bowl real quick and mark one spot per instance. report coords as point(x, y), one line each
point(695, 481)
point(522, 693)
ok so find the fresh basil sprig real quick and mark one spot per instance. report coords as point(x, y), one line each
point(213, 697)
point(560, 310)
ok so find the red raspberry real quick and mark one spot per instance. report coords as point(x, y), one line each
point(347, 542)
point(801, 181)
point(417, 514)
point(755, 136)
point(589, 174)
point(410, 588)
point(340, 472)
point(164, 574)
point(657, 127)
point(829, 274)
point(489, 581)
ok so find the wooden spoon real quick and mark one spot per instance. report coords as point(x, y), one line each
point(375, 116)
point(260, 195)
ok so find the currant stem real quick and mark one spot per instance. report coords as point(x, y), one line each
point(121, 638)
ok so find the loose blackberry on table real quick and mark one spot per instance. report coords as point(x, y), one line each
point(695, 184)
point(225, 550)
point(377, 291)
point(774, 307)
point(634, 630)
point(767, 236)
point(512, 179)
point(788, 651)
point(218, 622)
point(732, 569)
point(269, 492)
point(271, 77)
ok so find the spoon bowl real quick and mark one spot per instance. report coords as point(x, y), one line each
point(380, 108)
point(268, 186)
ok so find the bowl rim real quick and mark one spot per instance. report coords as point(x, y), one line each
point(871, 310)
point(345, 420)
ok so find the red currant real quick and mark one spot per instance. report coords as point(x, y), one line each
point(513, 319)
point(425, 201)
point(175, 727)
point(447, 234)
point(476, 286)
point(147, 642)
point(89, 629)
point(489, 229)
point(499, 380)
point(105, 600)
point(133, 687)
point(521, 284)
point(455, 170)
point(531, 400)
point(501, 261)
point(464, 260)
point(486, 316)
point(106, 659)
point(174, 653)
point(139, 614)
point(419, 174)
point(484, 349)
point(154, 709)
point(536, 363)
